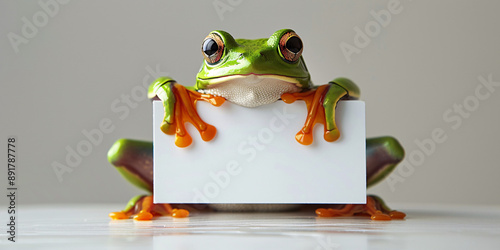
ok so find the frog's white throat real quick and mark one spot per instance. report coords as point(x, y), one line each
point(252, 90)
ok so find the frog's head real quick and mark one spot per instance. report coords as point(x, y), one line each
point(251, 73)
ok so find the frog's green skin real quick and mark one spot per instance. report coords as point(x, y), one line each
point(250, 58)
point(242, 57)
point(259, 56)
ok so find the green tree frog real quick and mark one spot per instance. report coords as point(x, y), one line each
point(250, 73)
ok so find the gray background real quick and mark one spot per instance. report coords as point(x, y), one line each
point(90, 53)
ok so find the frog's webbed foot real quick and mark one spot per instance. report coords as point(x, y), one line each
point(143, 208)
point(321, 104)
point(185, 111)
point(320, 109)
point(180, 107)
point(374, 207)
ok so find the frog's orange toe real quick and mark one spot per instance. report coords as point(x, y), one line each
point(323, 212)
point(180, 213)
point(143, 215)
point(167, 128)
point(332, 135)
point(218, 100)
point(183, 141)
point(304, 138)
point(288, 98)
point(397, 215)
point(381, 216)
point(118, 215)
point(209, 133)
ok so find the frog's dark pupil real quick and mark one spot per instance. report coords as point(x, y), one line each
point(294, 44)
point(210, 47)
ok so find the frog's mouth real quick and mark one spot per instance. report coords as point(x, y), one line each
point(252, 90)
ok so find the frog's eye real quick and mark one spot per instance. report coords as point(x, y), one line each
point(291, 46)
point(212, 48)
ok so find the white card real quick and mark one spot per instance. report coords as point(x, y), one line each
point(254, 158)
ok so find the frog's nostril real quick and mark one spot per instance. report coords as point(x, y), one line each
point(241, 55)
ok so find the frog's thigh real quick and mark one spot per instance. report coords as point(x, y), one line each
point(134, 160)
point(382, 156)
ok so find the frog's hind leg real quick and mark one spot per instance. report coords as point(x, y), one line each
point(141, 207)
point(134, 160)
point(145, 205)
point(379, 207)
point(383, 154)
point(129, 210)
point(375, 207)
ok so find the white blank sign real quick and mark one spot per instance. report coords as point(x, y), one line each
point(254, 158)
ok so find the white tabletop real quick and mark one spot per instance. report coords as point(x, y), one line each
point(88, 227)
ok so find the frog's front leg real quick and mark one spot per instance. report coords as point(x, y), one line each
point(134, 160)
point(321, 104)
point(179, 104)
